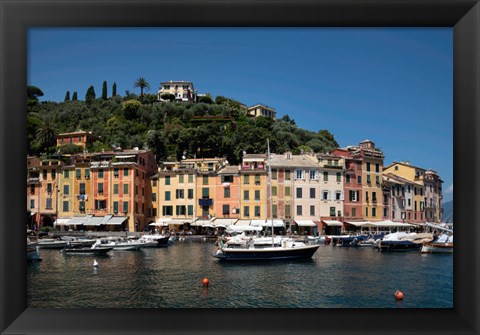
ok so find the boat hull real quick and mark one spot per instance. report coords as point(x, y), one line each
point(280, 253)
point(434, 249)
point(52, 245)
point(86, 251)
point(399, 246)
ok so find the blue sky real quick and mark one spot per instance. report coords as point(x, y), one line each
point(393, 86)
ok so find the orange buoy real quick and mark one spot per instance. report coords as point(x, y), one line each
point(398, 295)
point(205, 281)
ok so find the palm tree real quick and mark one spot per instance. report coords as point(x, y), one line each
point(46, 135)
point(142, 83)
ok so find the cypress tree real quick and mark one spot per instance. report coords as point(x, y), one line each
point(104, 91)
point(67, 96)
point(74, 96)
point(90, 95)
point(114, 89)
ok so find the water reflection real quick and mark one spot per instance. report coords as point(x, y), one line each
point(172, 278)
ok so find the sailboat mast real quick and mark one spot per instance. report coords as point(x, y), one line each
point(270, 186)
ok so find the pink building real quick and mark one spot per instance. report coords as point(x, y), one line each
point(352, 185)
point(227, 196)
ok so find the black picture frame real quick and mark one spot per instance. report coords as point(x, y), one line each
point(18, 16)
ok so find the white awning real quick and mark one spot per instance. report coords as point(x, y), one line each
point(305, 223)
point(117, 220)
point(224, 222)
point(242, 228)
point(333, 223)
point(202, 222)
point(94, 221)
point(360, 223)
point(125, 156)
point(163, 222)
point(61, 222)
point(106, 218)
point(77, 220)
point(242, 223)
point(267, 223)
point(389, 223)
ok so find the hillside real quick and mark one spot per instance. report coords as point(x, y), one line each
point(207, 129)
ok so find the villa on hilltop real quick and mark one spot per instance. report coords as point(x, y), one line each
point(184, 91)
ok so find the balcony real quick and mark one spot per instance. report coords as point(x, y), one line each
point(205, 202)
point(252, 167)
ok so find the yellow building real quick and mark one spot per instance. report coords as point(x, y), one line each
point(262, 110)
point(66, 196)
point(173, 191)
point(33, 191)
point(253, 187)
point(417, 190)
point(180, 89)
point(82, 186)
point(49, 189)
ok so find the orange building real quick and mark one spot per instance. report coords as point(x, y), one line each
point(43, 187)
point(80, 137)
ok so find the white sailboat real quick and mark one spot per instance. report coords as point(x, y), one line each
point(274, 248)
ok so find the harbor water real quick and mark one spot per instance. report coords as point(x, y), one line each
point(336, 277)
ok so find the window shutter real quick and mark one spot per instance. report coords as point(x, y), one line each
point(342, 196)
point(329, 197)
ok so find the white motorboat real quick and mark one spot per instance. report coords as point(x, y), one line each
point(50, 243)
point(442, 244)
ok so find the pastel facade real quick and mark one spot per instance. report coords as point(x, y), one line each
point(253, 187)
point(372, 169)
point(262, 110)
point(283, 168)
point(433, 197)
point(205, 184)
point(66, 193)
point(398, 188)
point(174, 193)
point(332, 192)
point(182, 90)
point(320, 190)
point(352, 186)
point(227, 197)
point(414, 190)
point(48, 192)
point(81, 138)
point(34, 184)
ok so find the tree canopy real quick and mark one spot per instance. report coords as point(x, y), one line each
point(212, 128)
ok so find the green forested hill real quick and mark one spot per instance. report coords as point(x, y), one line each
point(213, 128)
